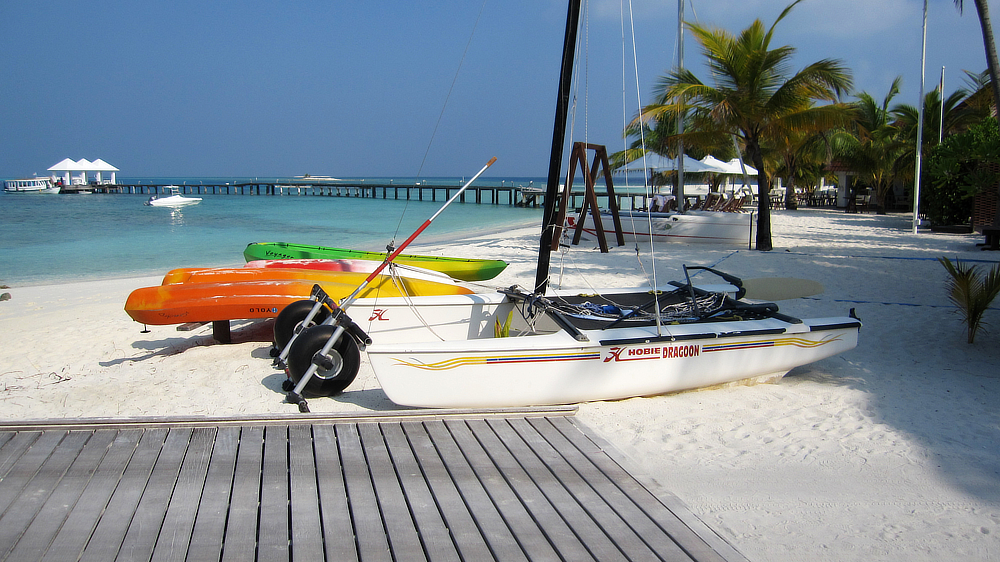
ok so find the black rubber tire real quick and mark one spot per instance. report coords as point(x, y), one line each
point(290, 317)
point(324, 383)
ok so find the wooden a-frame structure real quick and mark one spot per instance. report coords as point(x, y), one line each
point(579, 157)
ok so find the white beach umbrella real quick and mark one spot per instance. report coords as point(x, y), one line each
point(735, 164)
point(662, 163)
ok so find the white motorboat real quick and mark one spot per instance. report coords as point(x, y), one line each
point(172, 198)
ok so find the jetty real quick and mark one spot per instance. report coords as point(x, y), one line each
point(505, 194)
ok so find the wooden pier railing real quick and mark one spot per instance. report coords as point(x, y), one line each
point(519, 196)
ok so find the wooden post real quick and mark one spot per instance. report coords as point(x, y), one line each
point(579, 155)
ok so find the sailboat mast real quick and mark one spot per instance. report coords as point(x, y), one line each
point(558, 140)
point(680, 114)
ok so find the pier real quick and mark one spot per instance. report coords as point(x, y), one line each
point(514, 195)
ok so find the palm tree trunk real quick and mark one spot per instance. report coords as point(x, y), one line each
point(791, 199)
point(994, 68)
point(763, 198)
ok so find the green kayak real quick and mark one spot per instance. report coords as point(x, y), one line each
point(458, 268)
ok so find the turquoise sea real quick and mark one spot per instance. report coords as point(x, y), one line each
point(46, 238)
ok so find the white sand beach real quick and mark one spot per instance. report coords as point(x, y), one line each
point(890, 451)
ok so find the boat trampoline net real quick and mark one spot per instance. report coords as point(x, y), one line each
point(607, 309)
point(639, 309)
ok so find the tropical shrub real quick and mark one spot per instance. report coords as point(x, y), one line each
point(957, 170)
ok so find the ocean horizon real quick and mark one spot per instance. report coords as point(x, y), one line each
point(58, 238)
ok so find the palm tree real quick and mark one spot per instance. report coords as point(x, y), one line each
point(992, 65)
point(799, 159)
point(874, 145)
point(753, 97)
point(959, 116)
point(980, 100)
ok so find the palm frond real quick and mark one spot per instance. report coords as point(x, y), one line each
point(971, 292)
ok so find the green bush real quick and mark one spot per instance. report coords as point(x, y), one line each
point(958, 169)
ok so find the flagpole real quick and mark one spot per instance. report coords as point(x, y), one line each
point(920, 126)
point(941, 117)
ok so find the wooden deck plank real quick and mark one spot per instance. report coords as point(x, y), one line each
point(240, 543)
point(306, 530)
point(498, 535)
point(272, 533)
point(26, 465)
point(604, 485)
point(338, 529)
point(14, 447)
point(86, 514)
point(569, 507)
point(373, 544)
point(444, 489)
point(399, 525)
point(4, 438)
point(43, 528)
point(140, 539)
point(107, 538)
point(566, 542)
point(616, 528)
point(526, 530)
point(696, 538)
point(26, 505)
point(178, 523)
point(468, 539)
point(431, 526)
point(210, 521)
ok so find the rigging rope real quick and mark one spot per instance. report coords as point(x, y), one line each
point(437, 123)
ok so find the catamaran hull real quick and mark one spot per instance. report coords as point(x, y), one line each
point(694, 226)
point(617, 363)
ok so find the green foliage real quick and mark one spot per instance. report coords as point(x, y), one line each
point(957, 170)
point(971, 292)
point(753, 96)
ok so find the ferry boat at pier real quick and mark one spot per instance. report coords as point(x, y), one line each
point(43, 185)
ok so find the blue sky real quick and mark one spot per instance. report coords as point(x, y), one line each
point(253, 88)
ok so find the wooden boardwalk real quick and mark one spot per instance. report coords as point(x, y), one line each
point(470, 487)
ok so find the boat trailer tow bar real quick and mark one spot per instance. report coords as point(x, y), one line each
point(339, 318)
point(322, 358)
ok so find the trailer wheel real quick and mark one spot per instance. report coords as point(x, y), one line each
point(290, 317)
point(335, 371)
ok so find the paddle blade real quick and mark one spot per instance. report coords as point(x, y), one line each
point(780, 288)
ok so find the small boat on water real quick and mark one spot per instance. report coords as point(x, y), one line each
point(30, 185)
point(173, 198)
point(464, 269)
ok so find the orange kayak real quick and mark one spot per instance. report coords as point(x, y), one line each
point(316, 270)
point(263, 297)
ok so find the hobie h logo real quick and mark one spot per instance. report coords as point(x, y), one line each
point(650, 352)
point(379, 314)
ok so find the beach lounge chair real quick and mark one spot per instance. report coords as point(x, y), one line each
point(736, 204)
